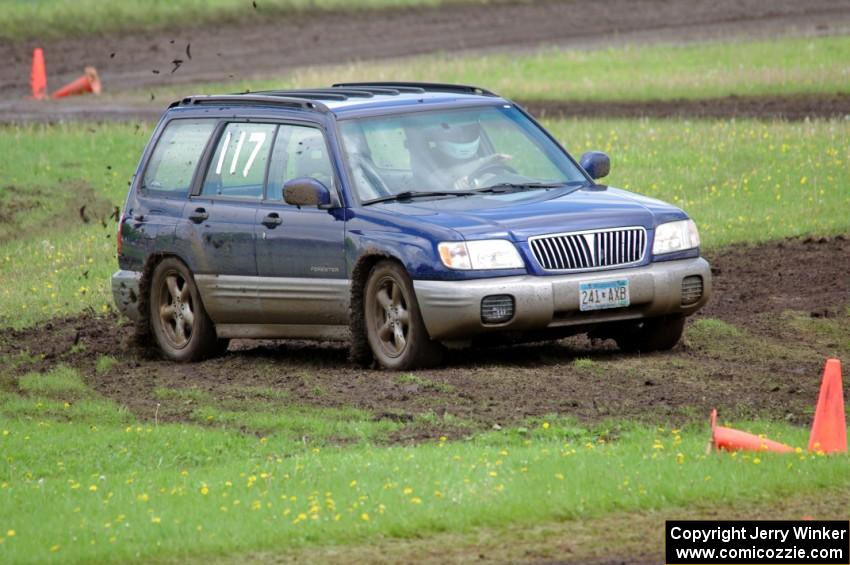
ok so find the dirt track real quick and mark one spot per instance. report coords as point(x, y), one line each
point(134, 61)
point(772, 368)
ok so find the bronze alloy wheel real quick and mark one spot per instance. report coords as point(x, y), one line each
point(175, 310)
point(178, 320)
point(394, 327)
point(391, 318)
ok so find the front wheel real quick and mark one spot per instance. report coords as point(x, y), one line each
point(181, 326)
point(656, 334)
point(394, 327)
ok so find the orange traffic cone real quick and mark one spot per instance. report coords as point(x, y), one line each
point(829, 430)
point(38, 76)
point(732, 440)
point(89, 82)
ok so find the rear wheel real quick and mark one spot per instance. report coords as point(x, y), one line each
point(394, 327)
point(656, 334)
point(179, 323)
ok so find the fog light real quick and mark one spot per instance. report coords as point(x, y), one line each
point(497, 309)
point(691, 290)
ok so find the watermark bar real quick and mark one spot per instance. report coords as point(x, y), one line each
point(805, 542)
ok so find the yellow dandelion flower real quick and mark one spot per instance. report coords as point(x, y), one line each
point(93, 488)
point(416, 500)
point(407, 490)
point(364, 517)
point(11, 533)
point(205, 490)
point(545, 425)
point(156, 519)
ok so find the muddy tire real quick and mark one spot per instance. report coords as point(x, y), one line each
point(656, 334)
point(179, 324)
point(394, 328)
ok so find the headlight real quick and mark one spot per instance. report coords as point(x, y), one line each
point(483, 254)
point(675, 236)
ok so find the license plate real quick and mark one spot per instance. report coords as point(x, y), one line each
point(603, 294)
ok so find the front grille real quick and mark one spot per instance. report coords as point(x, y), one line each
point(599, 249)
point(691, 290)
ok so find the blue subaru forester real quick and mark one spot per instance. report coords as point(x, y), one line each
point(403, 217)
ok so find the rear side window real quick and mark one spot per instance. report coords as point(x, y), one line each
point(238, 166)
point(172, 164)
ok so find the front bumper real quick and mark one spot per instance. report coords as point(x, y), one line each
point(125, 292)
point(451, 310)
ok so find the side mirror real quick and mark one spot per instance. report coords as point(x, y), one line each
point(596, 163)
point(306, 191)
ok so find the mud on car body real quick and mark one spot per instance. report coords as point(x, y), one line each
point(402, 216)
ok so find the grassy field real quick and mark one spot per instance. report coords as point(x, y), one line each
point(82, 480)
point(741, 181)
point(778, 67)
point(22, 19)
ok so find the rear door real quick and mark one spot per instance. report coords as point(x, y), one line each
point(222, 217)
point(155, 210)
point(300, 254)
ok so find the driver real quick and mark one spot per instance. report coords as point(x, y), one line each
point(456, 151)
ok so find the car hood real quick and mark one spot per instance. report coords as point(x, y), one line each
point(520, 215)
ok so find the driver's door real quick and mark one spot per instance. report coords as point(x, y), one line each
point(300, 251)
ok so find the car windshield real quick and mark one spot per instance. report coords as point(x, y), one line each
point(487, 149)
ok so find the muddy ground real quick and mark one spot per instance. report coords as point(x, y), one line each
point(793, 107)
point(766, 362)
point(136, 61)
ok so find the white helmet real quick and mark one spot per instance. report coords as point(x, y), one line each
point(458, 141)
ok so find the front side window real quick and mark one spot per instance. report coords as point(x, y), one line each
point(238, 166)
point(299, 151)
point(176, 155)
point(452, 150)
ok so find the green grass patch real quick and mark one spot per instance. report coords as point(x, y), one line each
point(706, 330)
point(702, 70)
point(833, 331)
point(584, 363)
point(63, 266)
point(135, 492)
point(61, 382)
point(191, 395)
point(104, 364)
point(740, 180)
point(23, 19)
point(92, 411)
point(308, 425)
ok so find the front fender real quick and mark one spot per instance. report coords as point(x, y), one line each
point(413, 243)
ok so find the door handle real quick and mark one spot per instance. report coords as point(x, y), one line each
point(199, 215)
point(272, 220)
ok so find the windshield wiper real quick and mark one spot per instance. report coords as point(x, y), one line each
point(517, 186)
point(411, 194)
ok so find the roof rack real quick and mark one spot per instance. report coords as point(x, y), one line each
point(252, 99)
point(419, 87)
point(321, 93)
